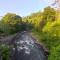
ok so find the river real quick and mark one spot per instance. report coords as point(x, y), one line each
point(26, 48)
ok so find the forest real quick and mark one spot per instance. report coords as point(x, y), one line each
point(44, 25)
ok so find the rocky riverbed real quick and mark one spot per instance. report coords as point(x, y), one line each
point(25, 47)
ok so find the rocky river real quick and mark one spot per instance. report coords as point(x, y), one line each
point(26, 47)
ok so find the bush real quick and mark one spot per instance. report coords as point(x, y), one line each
point(55, 53)
point(5, 52)
point(49, 40)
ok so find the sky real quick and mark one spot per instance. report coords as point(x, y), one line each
point(21, 7)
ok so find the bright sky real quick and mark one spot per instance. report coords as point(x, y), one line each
point(21, 7)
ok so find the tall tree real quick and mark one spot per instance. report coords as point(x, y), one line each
point(48, 15)
point(11, 23)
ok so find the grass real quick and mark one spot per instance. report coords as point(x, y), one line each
point(51, 42)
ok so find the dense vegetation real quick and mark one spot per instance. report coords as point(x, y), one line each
point(44, 25)
point(12, 23)
point(47, 30)
point(5, 52)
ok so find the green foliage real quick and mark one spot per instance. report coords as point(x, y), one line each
point(11, 23)
point(50, 32)
point(5, 52)
point(51, 42)
point(34, 19)
point(40, 19)
point(49, 15)
point(26, 25)
point(55, 53)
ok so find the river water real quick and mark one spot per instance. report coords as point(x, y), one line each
point(26, 48)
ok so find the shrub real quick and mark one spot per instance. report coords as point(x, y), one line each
point(55, 53)
point(5, 52)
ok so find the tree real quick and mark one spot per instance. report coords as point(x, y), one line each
point(49, 15)
point(11, 23)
